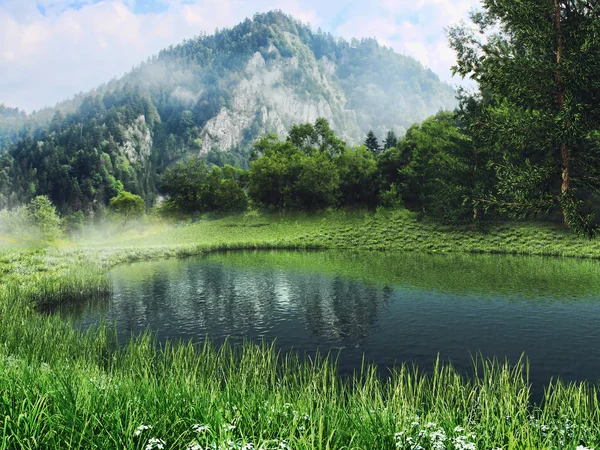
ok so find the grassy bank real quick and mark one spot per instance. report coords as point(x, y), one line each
point(62, 388)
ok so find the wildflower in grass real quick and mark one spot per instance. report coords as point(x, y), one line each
point(583, 447)
point(155, 444)
point(465, 442)
point(194, 446)
point(139, 430)
point(283, 445)
point(229, 427)
point(200, 428)
point(249, 446)
point(438, 439)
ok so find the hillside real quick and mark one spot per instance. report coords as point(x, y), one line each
point(217, 92)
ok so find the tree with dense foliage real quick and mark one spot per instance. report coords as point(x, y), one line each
point(372, 143)
point(316, 138)
point(436, 179)
point(127, 207)
point(286, 177)
point(540, 60)
point(43, 217)
point(358, 177)
point(391, 140)
point(193, 187)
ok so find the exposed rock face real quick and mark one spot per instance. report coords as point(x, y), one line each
point(266, 100)
point(137, 145)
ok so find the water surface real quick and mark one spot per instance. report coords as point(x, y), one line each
point(391, 308)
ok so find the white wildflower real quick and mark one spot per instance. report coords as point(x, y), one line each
point(194, 446)
point(463, 442)
point(139, 430)
point(200, 428)
point(155, 444)
point(583, 447)
point(248, 446)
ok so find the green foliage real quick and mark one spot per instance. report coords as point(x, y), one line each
point(193, 188)
point(126, 133)
point(438, 178)
point(286, 177)
point(67, 387)
point(372, 143)
point(540, 64)
point(36, 220)
point(43, 217)
point(358, 177)
point(391, 140)
point(127, 207)
point(316, 138)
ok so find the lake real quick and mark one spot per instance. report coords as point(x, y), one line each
point(391, 308)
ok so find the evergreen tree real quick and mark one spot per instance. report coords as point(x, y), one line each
point(372, 143)
point(391, 141)
point(539, 58)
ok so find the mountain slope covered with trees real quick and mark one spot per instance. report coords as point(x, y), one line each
point(213, 95)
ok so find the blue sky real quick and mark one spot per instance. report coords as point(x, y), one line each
point(52, 49)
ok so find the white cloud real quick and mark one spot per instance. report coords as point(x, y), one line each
point(48, 57)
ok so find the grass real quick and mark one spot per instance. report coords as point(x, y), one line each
point(63, 388)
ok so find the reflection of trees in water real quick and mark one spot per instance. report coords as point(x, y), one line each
point(342, 309)
point(199, 298)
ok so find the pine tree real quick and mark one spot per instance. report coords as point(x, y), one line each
point(539, 59)
point(372, 143)
point(391, 141)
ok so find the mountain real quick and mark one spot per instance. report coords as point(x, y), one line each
point(213, 92)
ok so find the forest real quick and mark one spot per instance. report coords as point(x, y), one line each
point(526, 145)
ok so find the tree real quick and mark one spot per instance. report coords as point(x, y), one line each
point(128, 206)
point(42, 215)
point(371, 143)
point(358, 175)
point(318, 137)
point(194, 188)
point(287, 177)
point(539, 58)
point(436, 180)
point(186, 186)
point(390, 141)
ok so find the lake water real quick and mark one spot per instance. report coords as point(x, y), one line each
point(391, 308)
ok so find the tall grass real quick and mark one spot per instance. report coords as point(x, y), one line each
point(65, 388)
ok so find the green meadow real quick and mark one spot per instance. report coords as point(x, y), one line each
point(65, 388)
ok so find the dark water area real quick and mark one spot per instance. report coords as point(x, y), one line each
point(391, 308)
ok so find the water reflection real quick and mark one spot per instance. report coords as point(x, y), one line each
point(401, 316)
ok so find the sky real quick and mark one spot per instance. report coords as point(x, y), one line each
point(53, 49)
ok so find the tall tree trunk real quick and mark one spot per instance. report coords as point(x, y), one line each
point(560, 100)
point(476, 208)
